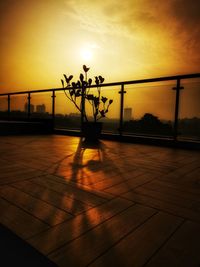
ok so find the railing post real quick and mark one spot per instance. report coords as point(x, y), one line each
point(176, 114)
point(122, 92)
point(8, 106)
point(82, 107)
point(29, 105)
point(53, 106)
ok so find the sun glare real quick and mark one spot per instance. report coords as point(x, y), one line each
point(86, 54)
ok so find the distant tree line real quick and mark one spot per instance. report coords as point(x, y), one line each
point(148, 124)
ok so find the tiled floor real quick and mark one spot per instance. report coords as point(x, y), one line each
point(116, 204)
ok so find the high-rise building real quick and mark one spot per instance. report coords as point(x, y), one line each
point(31, 108)
point(41, 108)
point(128, 114)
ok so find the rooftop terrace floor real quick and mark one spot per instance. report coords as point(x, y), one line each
point(116, 204)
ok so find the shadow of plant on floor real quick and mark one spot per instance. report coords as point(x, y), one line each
point(95, 154)
point(91, 163)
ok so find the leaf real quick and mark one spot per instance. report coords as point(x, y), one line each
point(102, 113)
point(90, 81)
point(78, 84)
point(110, 101)
point(85, 68)
point(74, 85)
point(101, 79)
point(104, 99)
point(97, 80)
point(71, 92)
point(90, 97)
point(77, 94)
point(65, 78)
point(81, 77)
point(70, 77)
point(62, 83)
point(84, 83)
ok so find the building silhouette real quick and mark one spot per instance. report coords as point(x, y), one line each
point(41, 108)
point(31, 108)
point(128, 114)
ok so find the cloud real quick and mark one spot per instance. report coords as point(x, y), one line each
point(187, 12)
point(188, 21)
point(140, 35)
point(92, 17)
point(156, 28)
point(125, 18)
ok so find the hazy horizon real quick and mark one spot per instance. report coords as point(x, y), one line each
point(155, 98)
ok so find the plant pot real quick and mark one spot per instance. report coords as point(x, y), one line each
point(91, 131)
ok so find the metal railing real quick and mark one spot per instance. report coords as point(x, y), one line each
point(177, 88)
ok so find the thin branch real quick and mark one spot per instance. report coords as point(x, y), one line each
point(71, 99)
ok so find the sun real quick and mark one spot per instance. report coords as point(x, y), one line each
point(86, 54)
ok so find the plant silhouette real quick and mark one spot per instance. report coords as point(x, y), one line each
point(82, 88)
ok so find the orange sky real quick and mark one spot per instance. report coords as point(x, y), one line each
point(131, 39)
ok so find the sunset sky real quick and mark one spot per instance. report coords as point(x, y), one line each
point(127, 40)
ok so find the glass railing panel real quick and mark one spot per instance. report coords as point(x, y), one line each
point(18, 109)
point(149, 109)
point(3, 107)
point(41, 105)
point(67, 116)
point(110, 123)
point(189, 110)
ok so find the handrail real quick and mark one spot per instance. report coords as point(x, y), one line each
point(159, 79)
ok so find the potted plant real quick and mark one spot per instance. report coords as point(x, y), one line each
point(91, 128)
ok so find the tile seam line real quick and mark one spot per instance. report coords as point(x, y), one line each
point(68, 242)
point(165, 242)
point(17, 181)
point(166, 201)
point(67, 212)
point(86, 189)
point(91, 206)
point(130, 189)
point(11, 203)
point(104, 200)
point(120, 182)
point(157, 190)
point(79, 214)
point(162, 210)
point(131, 231)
